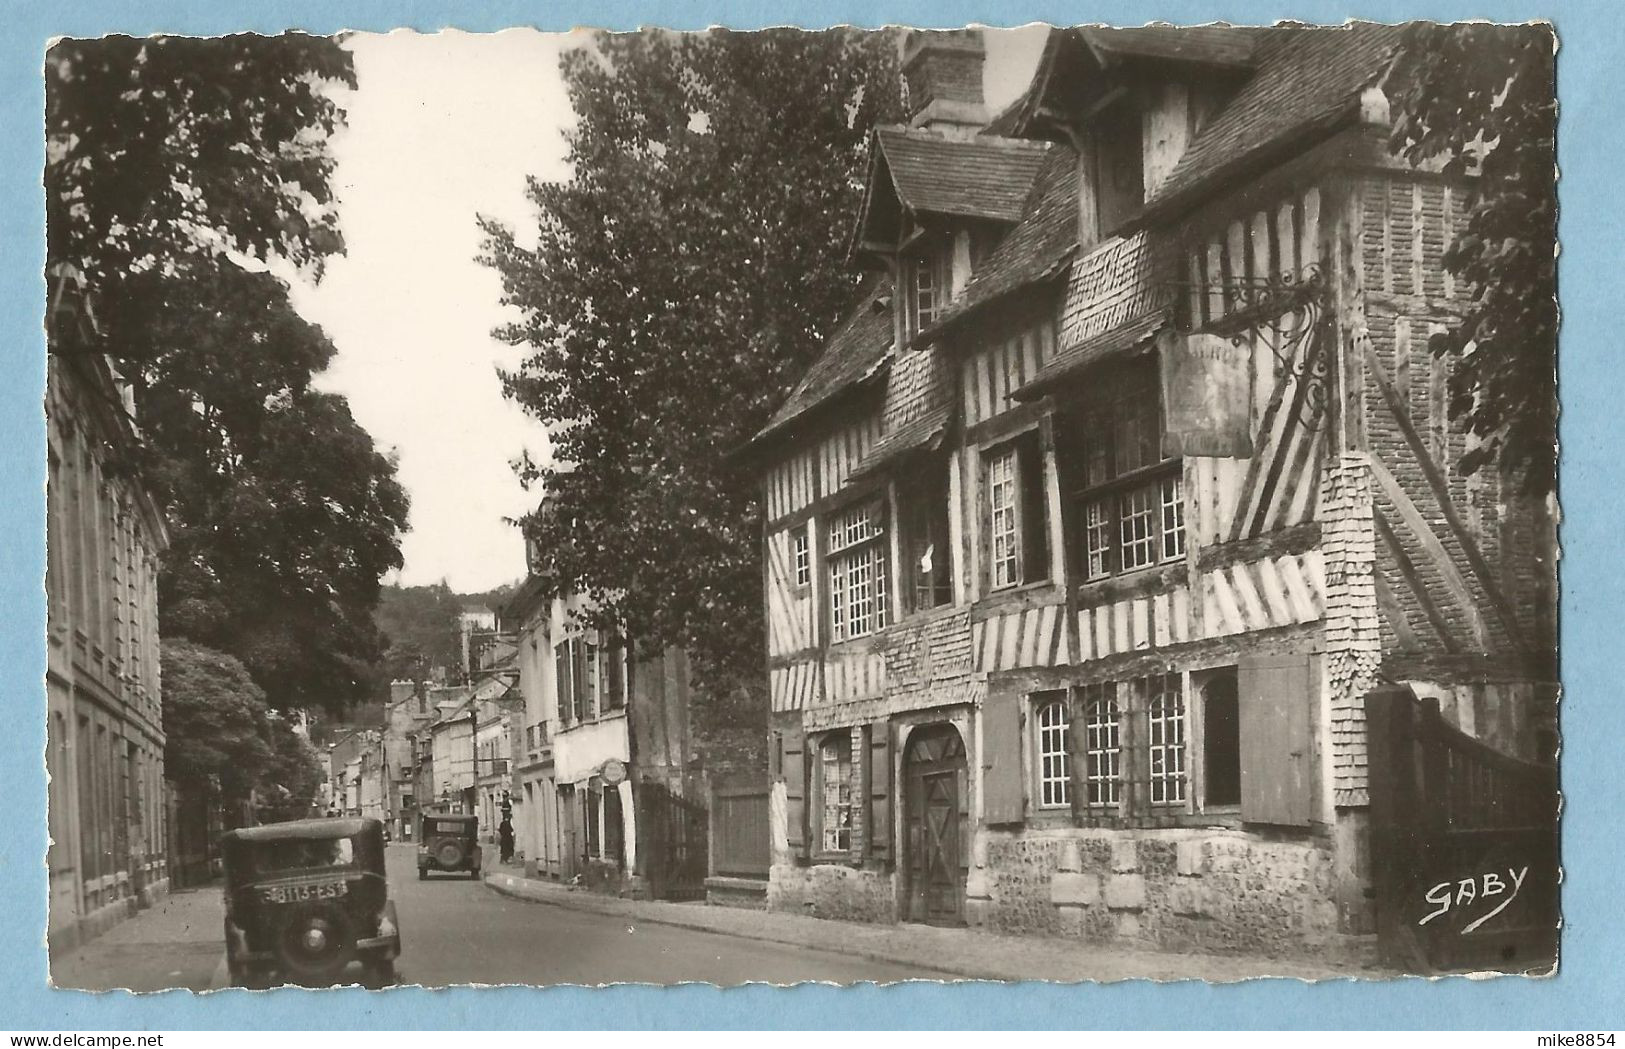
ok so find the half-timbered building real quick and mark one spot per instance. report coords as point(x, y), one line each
point(1127, 479)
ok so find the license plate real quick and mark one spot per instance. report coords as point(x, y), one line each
point(327, 890)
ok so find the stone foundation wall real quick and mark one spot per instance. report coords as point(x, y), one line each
point(1209, 890)
point(832, 891)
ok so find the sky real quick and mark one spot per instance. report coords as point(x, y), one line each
point(443, 128)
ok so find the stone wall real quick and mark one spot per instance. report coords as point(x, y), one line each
point(833, 891)
point(1210, 890)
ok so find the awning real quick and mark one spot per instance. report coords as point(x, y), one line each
point(921, 434)
point(1070, 362)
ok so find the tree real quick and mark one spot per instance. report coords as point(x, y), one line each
point(1484, 96)
point(215, 719)
point(178, 170)
point(293, 776)
point(680, 283)
point(165, 152)
point(283, 514)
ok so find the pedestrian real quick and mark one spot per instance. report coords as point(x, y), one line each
point(505, 839)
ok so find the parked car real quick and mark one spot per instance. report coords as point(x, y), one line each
point(307, 902)
point(447, 843)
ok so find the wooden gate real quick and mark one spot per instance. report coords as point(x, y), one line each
point(741, 834)
point(674, 845)
point(1464, 845)
point(934, 777)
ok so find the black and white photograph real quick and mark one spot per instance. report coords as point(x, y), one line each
point(1068, 503)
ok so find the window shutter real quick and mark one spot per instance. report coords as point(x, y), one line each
point(878, 770)
point(1276, 696)
point(1035, 553)
point(1002, 777)
point(564, 693)
point(793, 767)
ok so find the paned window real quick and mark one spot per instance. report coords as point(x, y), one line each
point(928, 290)
point(835, 784)
point(1103, 756)
point(589, 687)
point(1054, 769)
point(1165, 722)
point(923, 507)
point(1004, 532)
point(927, 294)
point(1128, 499)
point(857, 572)
point(1016, 519)
point(801, 549)
point(1131, 740)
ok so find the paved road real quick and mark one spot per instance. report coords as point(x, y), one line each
point(457, 931)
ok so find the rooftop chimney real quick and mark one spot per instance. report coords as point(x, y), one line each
point(943, 70)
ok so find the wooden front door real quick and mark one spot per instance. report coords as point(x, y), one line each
point(934, 782)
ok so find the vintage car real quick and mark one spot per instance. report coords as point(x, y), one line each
point(447, 843)
point(307, 903)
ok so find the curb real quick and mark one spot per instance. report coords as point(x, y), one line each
point(514, 887)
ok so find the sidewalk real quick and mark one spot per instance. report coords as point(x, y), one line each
point(956, 953)
point(177, 942)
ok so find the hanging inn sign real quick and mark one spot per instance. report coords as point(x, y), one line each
point(1206, 394)
point(1208, 372)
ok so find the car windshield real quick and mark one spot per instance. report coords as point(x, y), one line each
point(449, 827)
point(294, 854)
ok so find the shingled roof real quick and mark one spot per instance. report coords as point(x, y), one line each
point(1116, 300)
point(987, 177)
point(857, 352)
point(1223, 47)
point(1070, 66)
point(1306, 79)
point(1036, 250)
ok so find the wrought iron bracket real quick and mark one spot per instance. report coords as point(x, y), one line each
point(1286, 313)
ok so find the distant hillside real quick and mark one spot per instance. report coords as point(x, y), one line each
point(419, 624)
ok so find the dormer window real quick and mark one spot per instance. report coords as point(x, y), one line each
point(1119, 167)
point(928, 290)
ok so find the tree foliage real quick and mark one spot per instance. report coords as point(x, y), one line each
point(1484, 96)
point(680, 282)
point(164, 152)
point(215, 719)
point(178, 169)
point(293, 777)
point(283, 514)
point(219, 727)
point(420, 624)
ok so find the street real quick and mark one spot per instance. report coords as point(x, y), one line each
point(457, 931)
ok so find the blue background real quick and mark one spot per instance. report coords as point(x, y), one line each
point(1586, 994)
